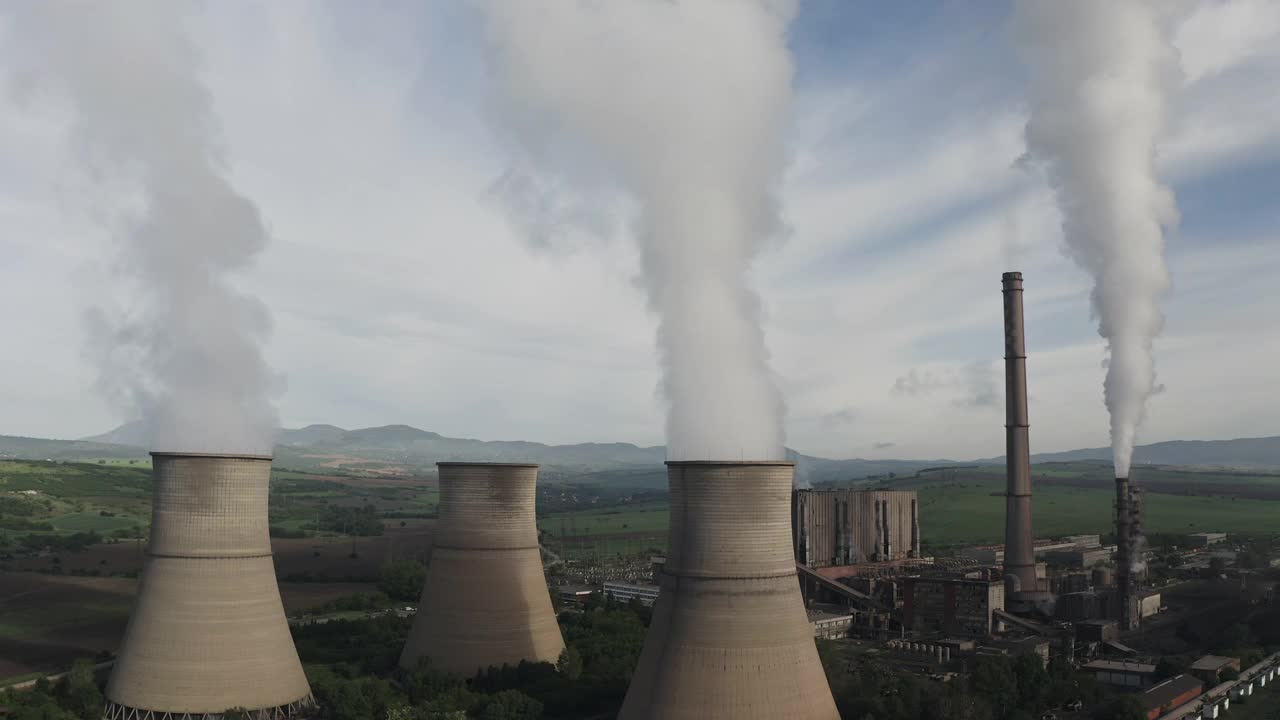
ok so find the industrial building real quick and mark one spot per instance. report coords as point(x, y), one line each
point(485, 601)
point(954, 606)
point(208, 630)
point(1080, 558)
point(1205, 539)
point(1122, 673)
point(729, 636)
point(1177, 690)
point(1210, 667)
point(830, 623)
point(847, 527)
point(626, 592)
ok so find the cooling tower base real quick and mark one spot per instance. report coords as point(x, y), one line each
point(484, 608)
point(280, 712)
point(485, 601)
point(208, 631)
point(730, 639)
point(734, 648)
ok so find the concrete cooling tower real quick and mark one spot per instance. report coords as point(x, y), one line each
point(208, 632)
point(485, 601)
point(730, 637)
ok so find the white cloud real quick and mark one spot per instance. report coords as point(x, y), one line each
point(401, 294)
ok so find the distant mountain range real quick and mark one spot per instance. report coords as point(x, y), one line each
point(393, 448)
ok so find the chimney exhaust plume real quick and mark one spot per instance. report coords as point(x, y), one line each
point(1099, 75)
point(485, 600)
point(729, 638)
point(208, 631)
point(1019, 552)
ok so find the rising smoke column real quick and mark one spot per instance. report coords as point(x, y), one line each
point(684, 103)
point(1098, 75)
point(190, 359)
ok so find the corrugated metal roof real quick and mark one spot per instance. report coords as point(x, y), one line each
point(1120, 666)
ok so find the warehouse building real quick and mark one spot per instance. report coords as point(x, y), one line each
point(1122, 673)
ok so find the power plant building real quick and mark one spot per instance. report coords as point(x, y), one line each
point(485, 600)
point(848, 527)
point(208, 631)
point(730, 638)
point(954, 606)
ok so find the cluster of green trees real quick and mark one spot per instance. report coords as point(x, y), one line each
point(75, 697)
point(353, 670)
point(997, 688)
point(402, 579)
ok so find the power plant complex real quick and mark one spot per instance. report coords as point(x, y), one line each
point(208, 632)
point(755, 570)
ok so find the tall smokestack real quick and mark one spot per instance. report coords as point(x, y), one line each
point(1126, 560)
point(485, 601)
point(208, 631)
point(729, 636)
point(1019, 553)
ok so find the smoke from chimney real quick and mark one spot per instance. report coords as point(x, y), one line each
point(1099, 72)
point(684, 104)
point(189, 359)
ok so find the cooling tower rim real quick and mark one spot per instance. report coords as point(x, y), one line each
point(731, 463)
point(224, 456)
point(486, 464)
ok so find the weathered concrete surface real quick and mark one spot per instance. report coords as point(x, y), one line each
point(729, 637)
point(485, 601)
point(208, 631)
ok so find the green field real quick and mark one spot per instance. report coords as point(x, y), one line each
point(86, 522)
point(967, 507)
point(644, 517)
point(955, 513)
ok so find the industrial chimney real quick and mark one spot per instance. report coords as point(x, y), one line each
point(1019, 552)
point(1127, 530)
point(729, 636)
point(485, 601)
point(208, 631)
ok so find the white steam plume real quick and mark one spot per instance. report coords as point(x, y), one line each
point(1099, 71)
point(684, 104)
point(190, 361)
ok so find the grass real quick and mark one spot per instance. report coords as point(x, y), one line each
point(968, 512)
point(645, 517)
point(35, 623)
point(89, 521)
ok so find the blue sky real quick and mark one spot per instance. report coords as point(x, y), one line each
point(401, 294)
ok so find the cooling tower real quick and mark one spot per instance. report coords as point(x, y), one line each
point(485, 601)
point(1019, 552)
point(730, 637)
point(208, 632)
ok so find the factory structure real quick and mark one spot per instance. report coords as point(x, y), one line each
point(208, 631)
point(485, 600)
point(846, 527)
point(859, 557)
